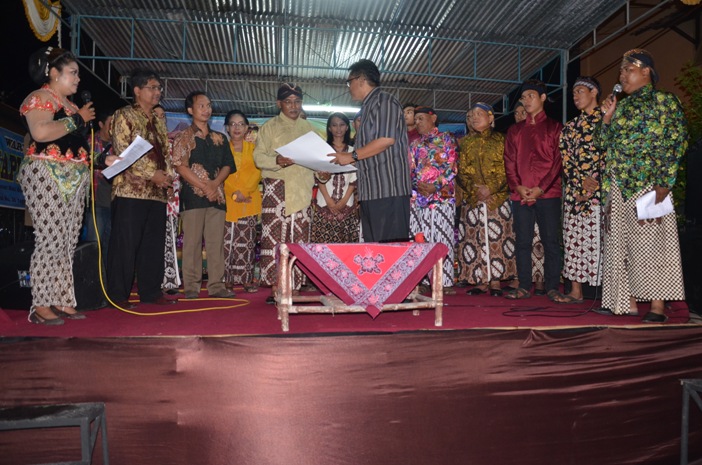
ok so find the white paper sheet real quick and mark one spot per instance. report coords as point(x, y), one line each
point(647, 208)
point(311, 152)
point(135, 151)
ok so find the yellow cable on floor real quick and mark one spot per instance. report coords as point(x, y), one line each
point(242, 303)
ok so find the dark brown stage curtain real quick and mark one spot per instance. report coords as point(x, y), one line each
point(606, 396)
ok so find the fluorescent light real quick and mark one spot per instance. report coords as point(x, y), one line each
point(329, 109)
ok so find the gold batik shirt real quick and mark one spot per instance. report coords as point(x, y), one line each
point(134, 182)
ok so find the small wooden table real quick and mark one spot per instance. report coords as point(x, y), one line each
point(392, 274)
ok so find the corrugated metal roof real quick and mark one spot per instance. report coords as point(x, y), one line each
point(446, 53)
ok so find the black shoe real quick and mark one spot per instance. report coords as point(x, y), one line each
point(496, 292)
point(225, 294)
point(651, 317)
point(475, 291)
point(603, 311)
point(540, 291)
point(39, 320)
point(270, 300)
point(162, 301)
point(124, 304)
point(69, 316)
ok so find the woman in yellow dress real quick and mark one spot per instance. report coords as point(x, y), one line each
point(243, 199)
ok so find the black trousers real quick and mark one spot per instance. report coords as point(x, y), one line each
point(386, 220)
point(137, 244)
point(547, 214)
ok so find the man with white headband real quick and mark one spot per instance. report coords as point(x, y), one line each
point(583, 164)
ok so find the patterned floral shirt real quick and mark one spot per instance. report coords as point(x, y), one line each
point(135, 181)
point(581, 159)
point(482, 163)
point(644, 141)
point(71, 147)
point(205, 155)
point(433, 160)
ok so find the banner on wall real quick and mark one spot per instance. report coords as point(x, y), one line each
point(11, 153)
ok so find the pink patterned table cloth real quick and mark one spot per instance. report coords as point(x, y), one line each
point(368, 274)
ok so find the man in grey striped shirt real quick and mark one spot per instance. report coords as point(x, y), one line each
point(381, 157)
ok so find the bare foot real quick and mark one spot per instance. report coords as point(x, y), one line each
point(634, 308)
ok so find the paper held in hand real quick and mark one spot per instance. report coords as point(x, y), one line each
point(135, 151)
point(647, 208)
point(311, 152)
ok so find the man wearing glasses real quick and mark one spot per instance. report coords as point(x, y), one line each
point(381, 157)
point(139, 197)
point(287, 187)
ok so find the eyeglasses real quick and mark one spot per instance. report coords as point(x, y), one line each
point(238, 125)
point(292, 103)
point(349, 80)
point(154, 88)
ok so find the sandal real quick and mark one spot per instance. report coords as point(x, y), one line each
point(517, 294)
point(251, 288)
point(37, 319)
point(557, 297)
point(61, 313)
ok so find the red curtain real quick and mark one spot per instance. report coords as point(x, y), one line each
point(605, 396)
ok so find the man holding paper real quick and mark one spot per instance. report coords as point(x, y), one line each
point(644, 136)
point(287, 186)
point(139, 196)
point(381, 156)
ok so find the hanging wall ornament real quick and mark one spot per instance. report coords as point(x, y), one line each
point(43, 21)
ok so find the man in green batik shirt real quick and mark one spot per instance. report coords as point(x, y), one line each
point(644, 136)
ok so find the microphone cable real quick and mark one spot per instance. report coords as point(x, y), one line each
point(242, 302)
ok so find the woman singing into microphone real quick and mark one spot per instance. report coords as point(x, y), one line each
point(54, 176)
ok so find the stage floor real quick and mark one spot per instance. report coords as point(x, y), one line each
point(216, 381)
point(248, 314)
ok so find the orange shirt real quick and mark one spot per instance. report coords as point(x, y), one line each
point(245, 180)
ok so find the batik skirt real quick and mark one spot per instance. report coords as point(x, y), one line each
point(55, 196)
point(436, 223)
point(489, 238)
point(240, 250)
point(582, 247)
point(279, 228)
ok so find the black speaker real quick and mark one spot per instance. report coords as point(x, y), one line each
point(15, 290)
point(691, 252)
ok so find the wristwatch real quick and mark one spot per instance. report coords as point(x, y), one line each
point(354, 155)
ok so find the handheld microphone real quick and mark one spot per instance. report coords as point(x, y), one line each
point(99, 160)
point(616, 89)
point(87, 97)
